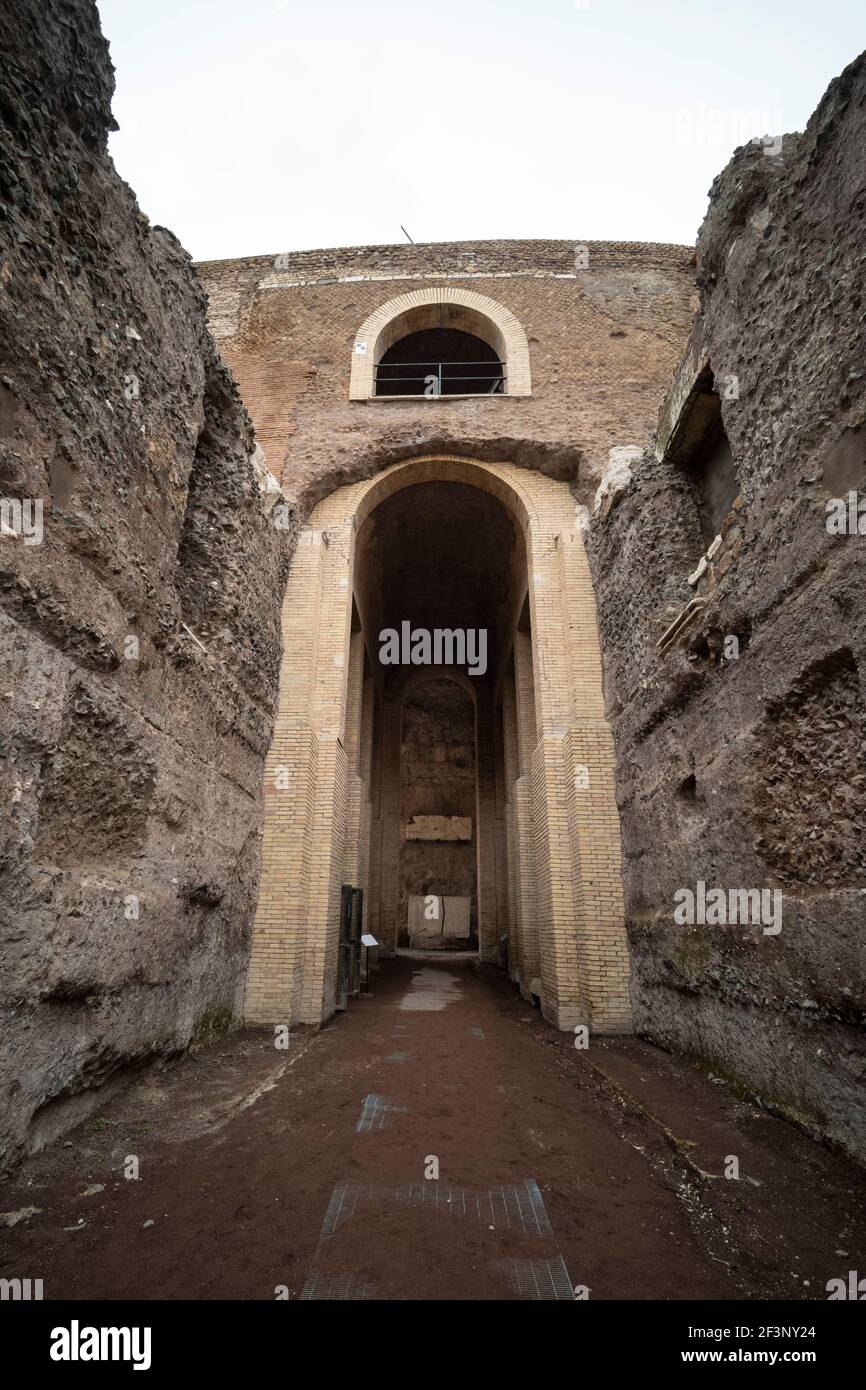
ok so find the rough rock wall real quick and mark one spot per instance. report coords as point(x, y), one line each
point(139, 638)
point(742, 764)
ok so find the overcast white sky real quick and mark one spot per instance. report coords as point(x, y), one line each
point(259, 126)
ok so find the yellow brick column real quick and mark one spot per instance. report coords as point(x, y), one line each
point(291, 769)
point(527, 738)
point(359, 748)
point(522, 840)
point(563, 986)
point(510, 770)
point(504, 924)
point(365, 759)
point(389, 838)
point(374, 869)
point(583, 946)
point(357, 790)
point(328, 841)
point(593, 814)
point(293, 961)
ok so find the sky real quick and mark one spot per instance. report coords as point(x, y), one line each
point(257, 126)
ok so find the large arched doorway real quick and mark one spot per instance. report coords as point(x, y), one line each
point(394, 582)
point(436, 556)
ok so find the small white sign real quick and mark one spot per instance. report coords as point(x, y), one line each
point(368, 940)
point(360, 349)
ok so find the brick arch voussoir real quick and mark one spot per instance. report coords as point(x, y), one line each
point(506, 330)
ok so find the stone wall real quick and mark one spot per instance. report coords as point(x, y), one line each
point(740, 741)
point(603, 341)
point(139, 641)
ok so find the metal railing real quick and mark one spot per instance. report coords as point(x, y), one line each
point(436, 379)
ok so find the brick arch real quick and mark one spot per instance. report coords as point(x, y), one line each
point(500, 481)
point(440, 307)
point(549, 833)
point(413, 680)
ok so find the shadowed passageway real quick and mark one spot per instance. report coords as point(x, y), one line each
point(303, 1172)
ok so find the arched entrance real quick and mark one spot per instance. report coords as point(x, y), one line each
point(443, 545)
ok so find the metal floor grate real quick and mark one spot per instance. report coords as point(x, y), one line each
point(537, 1279)
point(332, 1287)
point(375, 1112)
point(518, 1208)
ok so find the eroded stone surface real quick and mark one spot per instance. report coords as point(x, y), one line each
point(742, 764)
point(139, 643)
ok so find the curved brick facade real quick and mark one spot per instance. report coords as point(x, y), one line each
point(603, 344)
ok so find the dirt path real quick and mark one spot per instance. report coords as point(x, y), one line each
point(305, 1170)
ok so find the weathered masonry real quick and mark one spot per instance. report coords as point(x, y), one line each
point(458, 511)
point(457, 438)
point(141, 642)
point(546, 830)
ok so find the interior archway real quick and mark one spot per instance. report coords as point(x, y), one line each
point(437, 557)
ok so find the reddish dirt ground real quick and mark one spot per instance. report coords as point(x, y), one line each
point(557, 1168)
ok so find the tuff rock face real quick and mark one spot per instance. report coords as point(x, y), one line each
point(139, 637)
point(742, 764)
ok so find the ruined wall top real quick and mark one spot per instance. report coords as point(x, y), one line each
point(446, 258)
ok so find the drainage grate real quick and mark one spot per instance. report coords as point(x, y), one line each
point(374, 1114)
point(504, 1208)
point(519, 1208)
point(344, 1200)
point(332, 1287)
point(536, 1279)
point(537, 1207)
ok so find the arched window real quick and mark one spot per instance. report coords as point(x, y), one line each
point(440, 342)
point(439, 362)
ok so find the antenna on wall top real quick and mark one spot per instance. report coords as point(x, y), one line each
point(405, 233)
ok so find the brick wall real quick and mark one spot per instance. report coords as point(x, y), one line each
point(604, 330)
point(603, 344)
